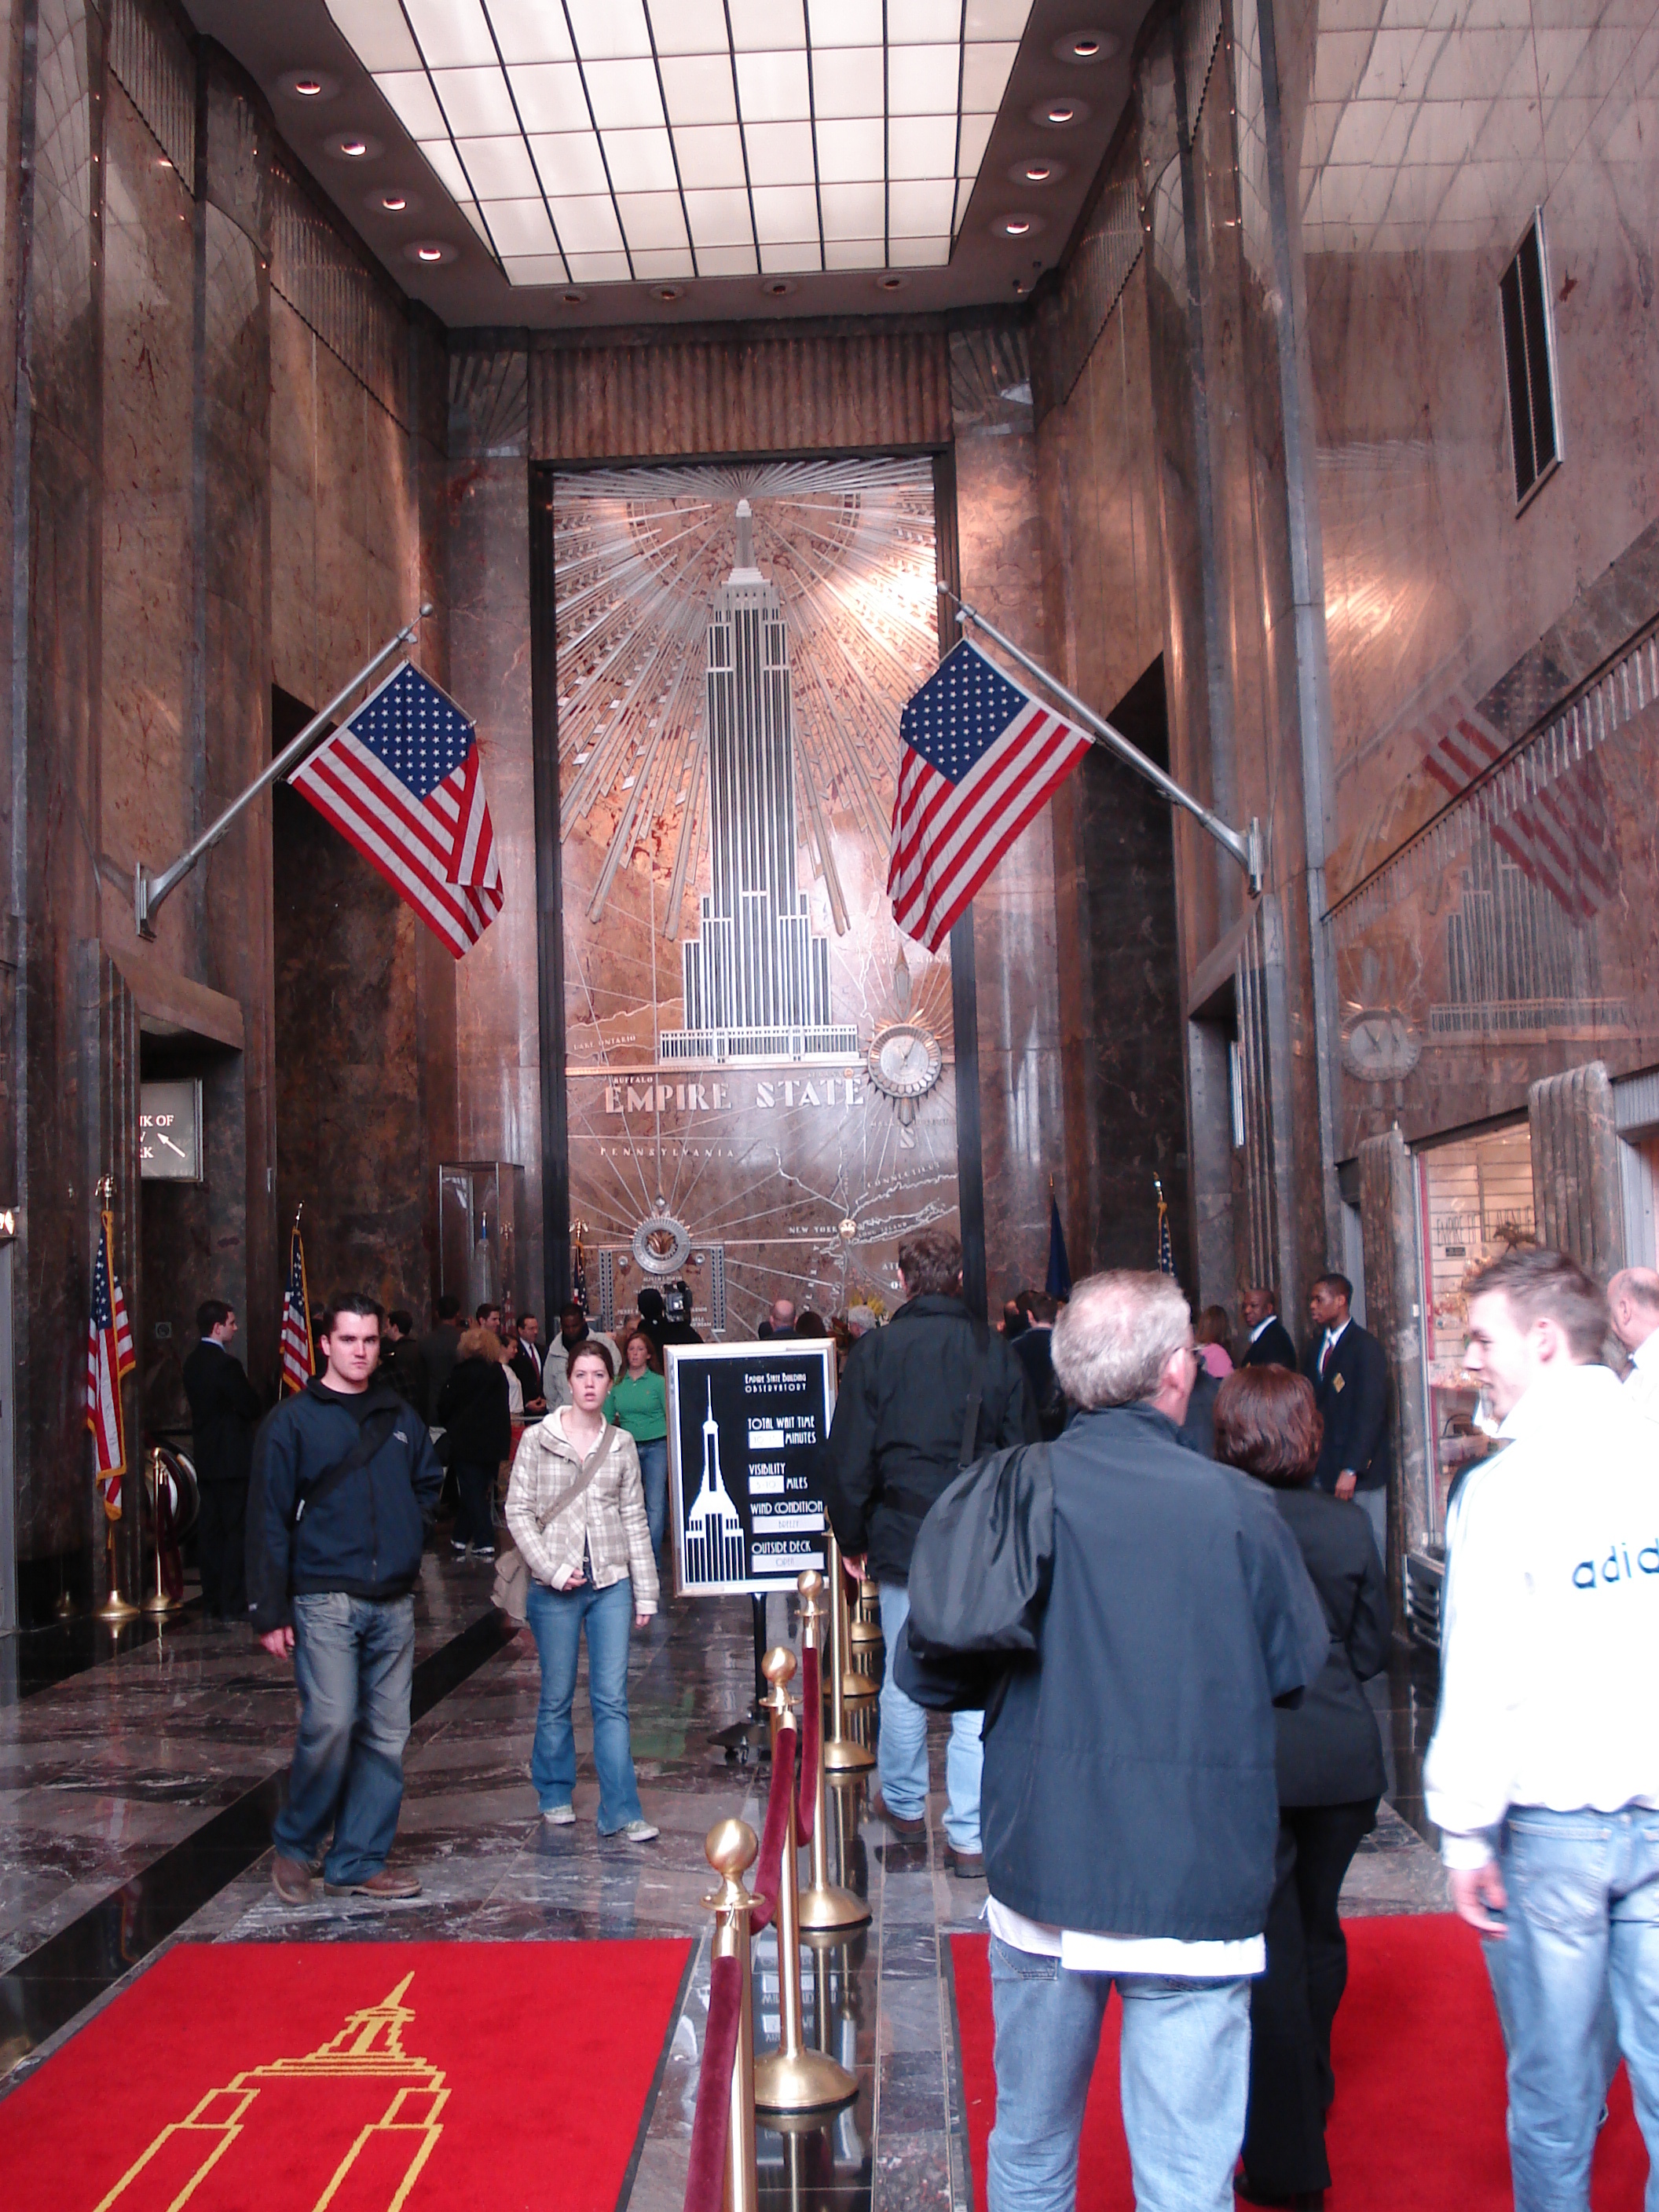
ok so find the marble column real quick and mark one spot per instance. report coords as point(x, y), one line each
point(56, 614)
point(232, 475)
point(1022, 1107)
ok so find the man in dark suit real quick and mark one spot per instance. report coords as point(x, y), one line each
point(1270, 1344)
point(224, 1412)
point(526, 1361)
point(438, 1348)
point(1350, 1374)
point(1032, 1348)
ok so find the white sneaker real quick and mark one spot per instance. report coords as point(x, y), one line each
point(560, 1816)
point(639, 1831)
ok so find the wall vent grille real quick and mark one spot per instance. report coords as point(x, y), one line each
point(1092, 286)
point(1523, 296)
point(153, 65)
point(338, 296)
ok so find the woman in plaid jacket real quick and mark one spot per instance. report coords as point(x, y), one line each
point(576, 1508)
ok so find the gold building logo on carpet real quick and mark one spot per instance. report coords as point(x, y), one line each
point(358, 2100)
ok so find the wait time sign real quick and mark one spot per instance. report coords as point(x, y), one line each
point(747, 1425)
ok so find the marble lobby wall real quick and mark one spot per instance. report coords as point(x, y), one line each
point(1118, 959)
point(1456, 624)
point(158, 361)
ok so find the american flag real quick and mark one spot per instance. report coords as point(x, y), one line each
point(299, 1357)
point(1165, 1249)
point(1559, 839)
point(401, 781)
point(980, 757)
point(109, 1357)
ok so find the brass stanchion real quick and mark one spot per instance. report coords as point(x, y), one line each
point(793, 2078)
point(158, 1601)
point(826, 1909)
point(730, 1849)
point(115, 1609)
point(842, 1755)
point(864, 1636)
point(857, 1688)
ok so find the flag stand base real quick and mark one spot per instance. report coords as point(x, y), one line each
point(748, 1742)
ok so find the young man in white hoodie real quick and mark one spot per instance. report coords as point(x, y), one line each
point(1543, 1775)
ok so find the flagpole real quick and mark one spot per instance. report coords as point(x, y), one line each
point(1246, 850)
point(148, 890)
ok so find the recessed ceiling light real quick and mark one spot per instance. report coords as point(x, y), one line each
point(355, 146)
point(778, 287)
point(573, 299)
point(1085, 46)
point(668, 291)
point(1016, 226)
point(311, 84)
point(428, 252)
point(1038, 169)
point(1060, 114)
point(390, 203)
point(891, 282)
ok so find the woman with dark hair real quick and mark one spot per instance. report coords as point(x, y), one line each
point(1330, 1777)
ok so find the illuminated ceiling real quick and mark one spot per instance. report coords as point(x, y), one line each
point(534, 164)
point(596, 141)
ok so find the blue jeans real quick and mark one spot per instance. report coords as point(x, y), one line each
point(1183, 2081)
point(901, 1745)
point(1583, 1923)
point(354, 1664)
point(653, 1474)
point(555, 1621)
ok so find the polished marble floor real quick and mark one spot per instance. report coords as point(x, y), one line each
point(135, 1799)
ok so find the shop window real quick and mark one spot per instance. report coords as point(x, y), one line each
point(1476, 1200)
point(1529, 363)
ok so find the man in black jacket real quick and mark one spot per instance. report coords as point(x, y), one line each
point(224, 1412)
point(344, 1480)
point(1270, 1343)
point(919, 1399)
point(437, 1349)
point(1349, 1371)
point(1130, 1802)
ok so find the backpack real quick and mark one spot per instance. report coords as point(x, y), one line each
point(979, 1580)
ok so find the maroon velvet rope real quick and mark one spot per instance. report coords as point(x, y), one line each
point(769, 1867)
point(705, 2181)
point(811, 1705)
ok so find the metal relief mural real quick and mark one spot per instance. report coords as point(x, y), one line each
point(760, 1073)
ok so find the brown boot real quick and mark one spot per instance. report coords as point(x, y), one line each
point(384, 1884)
point(291, 1880)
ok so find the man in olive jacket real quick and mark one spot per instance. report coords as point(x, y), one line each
point(345, 1480)
point(920, 1398)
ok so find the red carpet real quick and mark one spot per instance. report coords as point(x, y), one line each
point(1418, 2117)
point(479, 2077)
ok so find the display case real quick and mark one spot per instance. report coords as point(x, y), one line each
point(480, 1206)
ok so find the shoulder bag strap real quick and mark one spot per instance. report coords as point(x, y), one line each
point(371, 1433)
point(601, 1451)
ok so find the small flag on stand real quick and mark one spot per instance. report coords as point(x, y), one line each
point(980, 757)
point(109, 1357)
point(299, 1354)
point(1058, 1284)
point(1165, 1252)
point(402, 782)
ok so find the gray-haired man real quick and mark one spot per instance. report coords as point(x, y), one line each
point(1129, 1804)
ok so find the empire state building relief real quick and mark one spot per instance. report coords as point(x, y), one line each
point(760, 1069)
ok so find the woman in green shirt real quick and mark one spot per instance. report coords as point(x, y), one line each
point(638, 1403)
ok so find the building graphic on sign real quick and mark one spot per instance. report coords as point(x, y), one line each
point(714, 1548)
point(756, 979)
